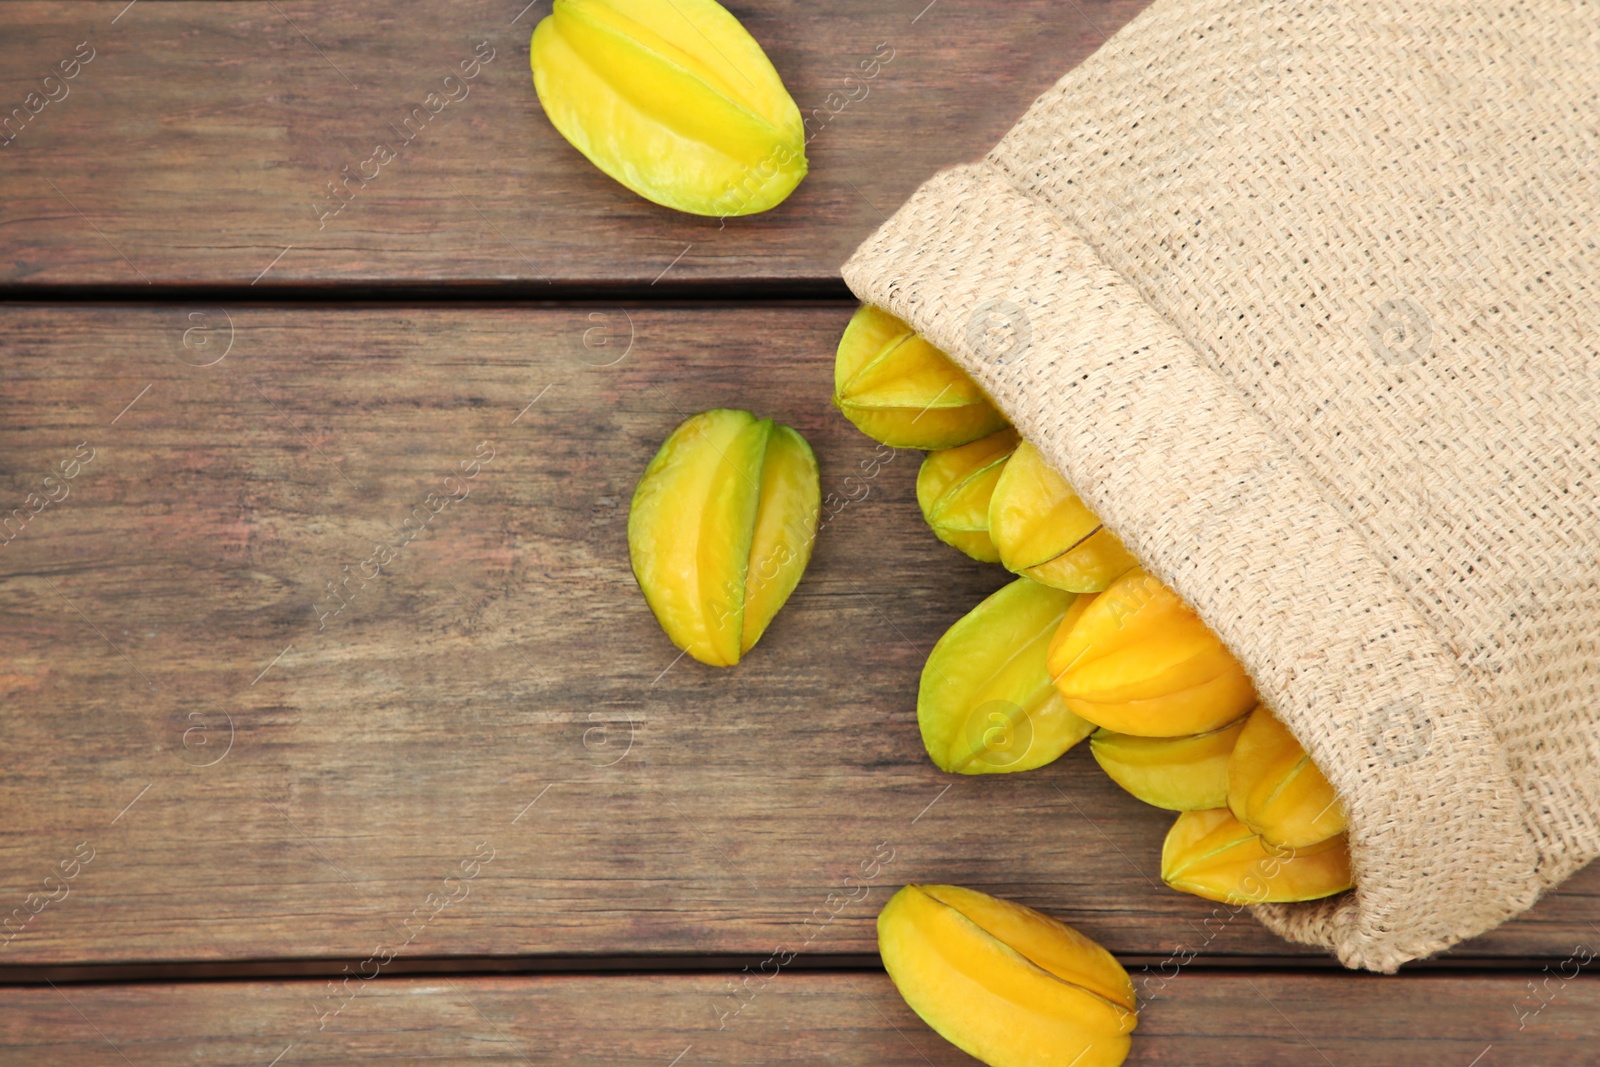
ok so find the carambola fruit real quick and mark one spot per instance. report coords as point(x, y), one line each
point(1138, 660)
point(721, 529)
point(672, 98)
point(986, 703)
point(900, 390)
point(1275, 789)
point(1213, 855)
point(1003, 982)
point(1177, 773)
point(1042, 530)
point(953, 489)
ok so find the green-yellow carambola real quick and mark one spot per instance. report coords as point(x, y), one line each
point(721, 528)
point(672, 98)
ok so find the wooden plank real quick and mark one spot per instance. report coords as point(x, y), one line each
point(197, 144)
point(1202, 1020)
point(232, 769)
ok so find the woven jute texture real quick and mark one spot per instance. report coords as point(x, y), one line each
point(1304, 299)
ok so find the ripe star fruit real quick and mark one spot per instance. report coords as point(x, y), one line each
point(672, 98)
point(1005, 983)
point(1177, 773)
point(986, 704)
point(953, 490)
point(901, 391)
point(1042, 530)
point(1138, 660)
point(1213, 855)
point(1276, 790)
point(721, 528)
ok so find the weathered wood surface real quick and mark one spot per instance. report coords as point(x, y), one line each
point(197, 145)
point(1200, 1020)
point(259, 776)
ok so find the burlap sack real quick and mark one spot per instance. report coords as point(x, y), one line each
point(1304, 299)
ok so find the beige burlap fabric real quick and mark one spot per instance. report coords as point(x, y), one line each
point(1304, 299)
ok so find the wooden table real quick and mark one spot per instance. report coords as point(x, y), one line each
point(473, 807)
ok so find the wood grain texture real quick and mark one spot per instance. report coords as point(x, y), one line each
point(261, 777)
point(198, 143)
point(1202, 1020)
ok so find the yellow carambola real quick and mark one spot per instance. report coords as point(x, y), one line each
point(1213, 855)
point(900, 390)
point(1177, 773)
point(1005, 983)
point(953, 490)
point(986, 704)
point(1138, 660)
point(1042, 530)
point(721, 528)
point(672, 98)
point(1275, 789)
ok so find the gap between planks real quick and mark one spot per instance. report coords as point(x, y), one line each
point(557, 966)
point(754, 291)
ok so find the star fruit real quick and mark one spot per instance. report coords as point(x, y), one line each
point(901, 391)
point(1177, 773)
point(986, 704)
point(1138, 660)
point(672, 98)
point(1213, 855)
point(1005, 983)
point(953, 489)
point(721, 528)
point(1042, 530)
point(1276, 790)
